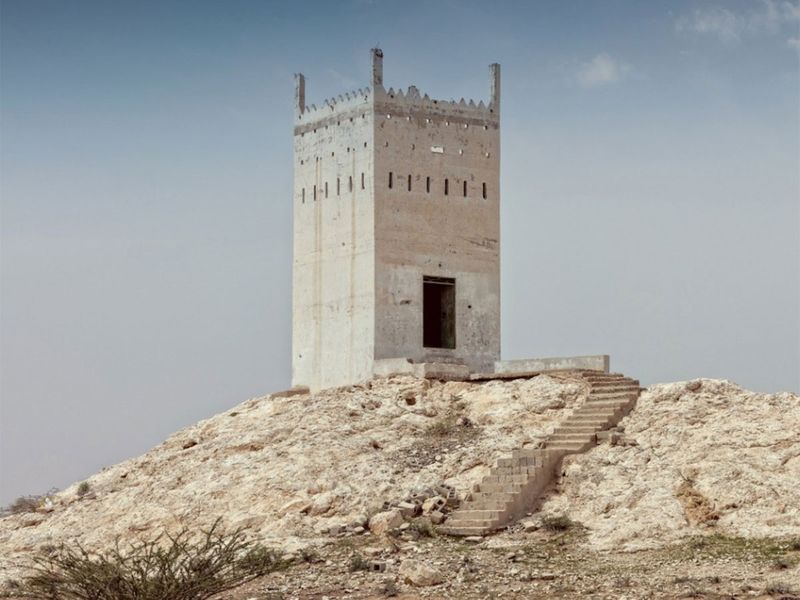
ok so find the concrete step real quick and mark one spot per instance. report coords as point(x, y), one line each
point(512, 479)
point(512, 471)
point(615, 382)
point(536, 455)
point(615, 391)
point(614, 394)
point(606, 403)
point(487, 506)
point(598, 412)
point(572, 437)
point(599, 420)
point(465, 531)
point(500, 488)
point(619, 389)
point(477, 514)
point(595, 403)
point(517, 461)
point(516, 479)
point(492, 483)
point(498, 500)
point(570, 446)
point(570, 428)
point(596, 423)
point(483, 523)
point(603, 376)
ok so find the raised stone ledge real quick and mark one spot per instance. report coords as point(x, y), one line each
point(597, 362)
point(428, 370)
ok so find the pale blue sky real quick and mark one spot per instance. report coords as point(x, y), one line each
point(650, 196)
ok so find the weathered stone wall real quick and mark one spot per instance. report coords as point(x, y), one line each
point(422, 231)
point(333, 272)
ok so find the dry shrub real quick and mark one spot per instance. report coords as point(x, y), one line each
point(698, 509)
point(557, 523)
point(24, 504)
point(170, 567)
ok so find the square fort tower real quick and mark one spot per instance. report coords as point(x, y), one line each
point(396, 232)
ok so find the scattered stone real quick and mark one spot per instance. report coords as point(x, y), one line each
point(385, 521)
point(432, 504)
point(32, 519)
point(322, 503)
point(419, 574)
point(530, 525)
point(437, 517)
point(377, 566)
point(408, 509)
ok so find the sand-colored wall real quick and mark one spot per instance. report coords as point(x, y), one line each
point(420, 232)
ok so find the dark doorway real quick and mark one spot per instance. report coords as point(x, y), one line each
point(438, 312)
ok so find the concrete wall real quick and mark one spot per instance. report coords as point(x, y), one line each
point(429, 233)
point(333, 292)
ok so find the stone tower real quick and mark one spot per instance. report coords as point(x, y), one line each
point(396, 231)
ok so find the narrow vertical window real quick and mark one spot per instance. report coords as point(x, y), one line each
point(428, 185)
point(337, 186)
point(350, 184)
point(303, 195)
point(315, 192)
point(362, 181)
point(465, 189)
point(326, 189)
point(446, 187)
point(409, 183)
point(391, 177)
point(484, 190)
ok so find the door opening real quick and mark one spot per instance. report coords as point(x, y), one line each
point(438, 312)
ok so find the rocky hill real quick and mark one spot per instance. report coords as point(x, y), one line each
point(693, 459)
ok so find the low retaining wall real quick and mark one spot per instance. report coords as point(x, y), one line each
point(597, 362)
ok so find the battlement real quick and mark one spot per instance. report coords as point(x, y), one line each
point(331, 106)
point(412, 101)
point(402, 102)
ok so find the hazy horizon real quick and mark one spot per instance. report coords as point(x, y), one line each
point(650, 196)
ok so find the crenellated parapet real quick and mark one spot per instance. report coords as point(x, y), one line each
point(409, 102)
point(412, 101)
point(331, 107)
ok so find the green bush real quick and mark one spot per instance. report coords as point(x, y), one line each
point(83, 488)
point(166, 568)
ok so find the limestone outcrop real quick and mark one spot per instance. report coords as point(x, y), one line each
point(696, 456)
point(691, 458)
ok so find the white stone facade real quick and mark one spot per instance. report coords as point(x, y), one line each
point(396, 232)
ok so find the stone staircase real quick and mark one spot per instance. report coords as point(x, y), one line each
point(511, 489)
